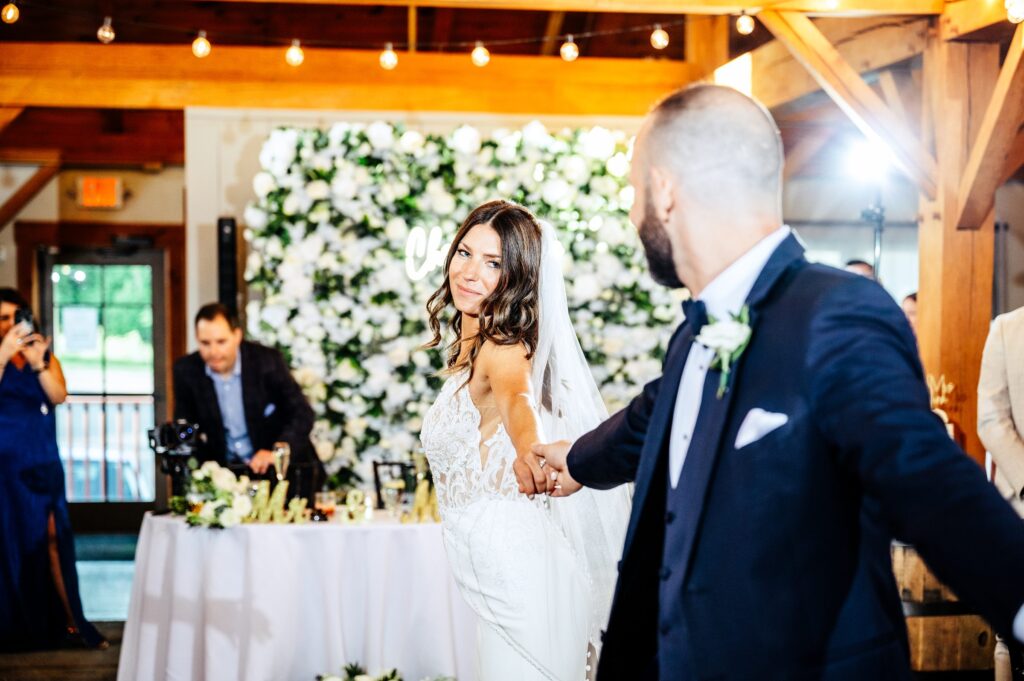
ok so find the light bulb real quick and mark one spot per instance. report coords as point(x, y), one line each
point(1015, 11)
point(659, 37)
point(570, 50)
point(388, 58)
point(480, 55)
point(201, 46)
point(294, 56)
point(10, 13)
point(105, 33)
point(745, 24)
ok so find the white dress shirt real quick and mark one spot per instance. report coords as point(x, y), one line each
point(724, 296)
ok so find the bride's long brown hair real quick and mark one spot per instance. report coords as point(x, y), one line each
point(510, 314)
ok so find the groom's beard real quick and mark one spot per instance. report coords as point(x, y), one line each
point(658, 250)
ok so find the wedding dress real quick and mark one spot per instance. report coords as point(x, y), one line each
point(539, 573)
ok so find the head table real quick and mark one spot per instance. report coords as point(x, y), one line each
point(286, 602)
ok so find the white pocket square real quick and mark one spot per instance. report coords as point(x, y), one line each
point(270, 409)
point(758, 423)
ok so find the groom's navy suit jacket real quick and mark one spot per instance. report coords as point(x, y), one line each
point(772, 561)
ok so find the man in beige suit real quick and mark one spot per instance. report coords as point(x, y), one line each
point(1001, 404)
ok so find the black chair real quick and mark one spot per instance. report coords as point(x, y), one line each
point(392, 470)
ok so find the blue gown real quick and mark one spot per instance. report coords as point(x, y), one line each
point(32, 614)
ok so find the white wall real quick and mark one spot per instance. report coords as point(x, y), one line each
point(1010, 209)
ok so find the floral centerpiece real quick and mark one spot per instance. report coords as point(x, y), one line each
point(215, 498)
point(356, 672)
point(346, 231)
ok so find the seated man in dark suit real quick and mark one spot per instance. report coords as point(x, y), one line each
point(244, 399)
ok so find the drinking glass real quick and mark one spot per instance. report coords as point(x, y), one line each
point(354, 503)
point(326, 502)
point(282, 455)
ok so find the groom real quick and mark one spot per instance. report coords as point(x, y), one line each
point(767, 494)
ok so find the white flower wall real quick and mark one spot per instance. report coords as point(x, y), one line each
point(327, 234)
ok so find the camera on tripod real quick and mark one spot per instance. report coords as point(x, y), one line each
point(174, 443)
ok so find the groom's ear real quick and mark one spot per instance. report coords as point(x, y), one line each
point(663, 193)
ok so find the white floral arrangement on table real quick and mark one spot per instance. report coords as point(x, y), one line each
point(328, 234)
point(356, 672)
point(216, 498)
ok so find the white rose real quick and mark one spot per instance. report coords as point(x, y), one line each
point(536, 135)
point(209, 467)
point(242, 505)
point(224, 479)
point(381, 135)
point(556, 192)
point(725, 336)
point(291, 205)
point(466, 140)
point(597, 143)
point(275, 315)
point(324, 450)
point(263, 183)
point(396, 229)
point(398, 355)
point(506, 153)
point(209, 511)
point(356, 427)
point(345, 372)
point(253, 263)
point(410, 142)
point(228, 518)
point(274, 248)
point(318, 190)
point(344, 188)
point(575, 169)
point(618, 165)
point(612, 345)
point(278, 151)
point(586, 287)
point(255, 217)
point(311, 247)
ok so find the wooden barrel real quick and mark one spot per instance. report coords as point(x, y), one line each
point(944, 634)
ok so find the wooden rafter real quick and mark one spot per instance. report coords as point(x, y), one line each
point(961, 18)
point(855, 97)
point(27, 191)
point(1014, 159)
point(158, 77)
point(8, 114)
point(1003, 119)
point(891, 93)
point(411, 27)
point(839, 7)
point(870, 43)
point(707, 42)
point(551, 33)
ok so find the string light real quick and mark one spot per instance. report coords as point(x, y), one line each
point(570, 50)
point(1015, 11)
point(388, 58)
point(480, 55)
point(201, 46)
point(745, 24)
point(294, 56)
point(105, 33)
point(659, 37)
point(10, 13)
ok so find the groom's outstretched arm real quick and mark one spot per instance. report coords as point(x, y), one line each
point(869, 398)
point(608, 456)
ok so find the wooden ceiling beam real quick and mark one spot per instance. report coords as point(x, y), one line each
point(27, 191)
point(867, 44)
point(8, 114)
point(551, 32)
point(960, 18)
point(707, 42)
point(855, 97)
point(162, 77)
point(1004, 117)
point(835, 7)
point(411, 27)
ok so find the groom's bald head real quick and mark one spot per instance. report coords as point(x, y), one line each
point(716, 142)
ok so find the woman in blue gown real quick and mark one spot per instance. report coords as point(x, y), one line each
point(39, 602)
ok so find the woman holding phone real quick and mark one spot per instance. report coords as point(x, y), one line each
point(39, 602)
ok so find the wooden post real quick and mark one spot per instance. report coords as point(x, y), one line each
point(956, 265)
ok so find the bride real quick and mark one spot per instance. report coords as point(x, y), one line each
point(539, 572)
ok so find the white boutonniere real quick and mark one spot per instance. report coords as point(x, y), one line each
point(728, 338)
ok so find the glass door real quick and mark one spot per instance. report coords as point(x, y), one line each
point(105, 314)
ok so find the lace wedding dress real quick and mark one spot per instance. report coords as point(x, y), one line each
point(512, 562)
point(538, 573)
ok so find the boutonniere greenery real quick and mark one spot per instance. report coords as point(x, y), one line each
point(728, 338)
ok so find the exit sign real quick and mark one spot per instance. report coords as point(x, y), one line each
point(100, 192)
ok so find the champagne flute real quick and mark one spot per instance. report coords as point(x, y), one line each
point(282, 455)
point(354, 502)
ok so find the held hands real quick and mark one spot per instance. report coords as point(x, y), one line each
point(560, 483)
point(261, 461)
point(530, 474)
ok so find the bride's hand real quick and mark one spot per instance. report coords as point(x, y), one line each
point(560, 483)
point(530, 475)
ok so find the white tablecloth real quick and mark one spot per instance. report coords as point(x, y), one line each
point(283, 603)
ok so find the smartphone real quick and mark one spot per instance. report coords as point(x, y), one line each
point(23, 315)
